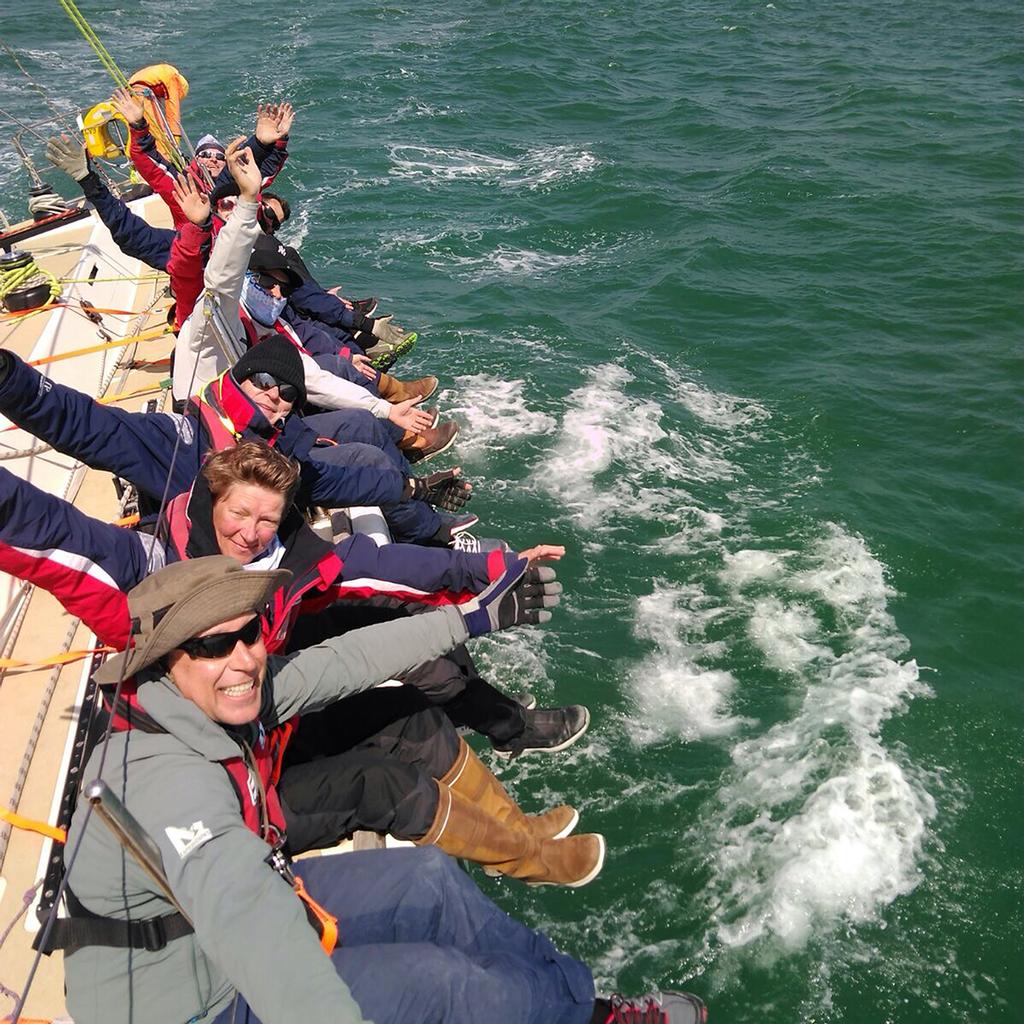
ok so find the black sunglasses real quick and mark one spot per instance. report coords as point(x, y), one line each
point(271, 217)
point(210, 154)
point(219, 645)
point(266, 381)
point(267, 281)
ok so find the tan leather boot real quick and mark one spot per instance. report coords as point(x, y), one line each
point(395, 390)
point(464, 829)
point(433, 441)
point(469, 776)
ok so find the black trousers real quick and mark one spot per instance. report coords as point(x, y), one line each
point(366, 762)
point(452, 682)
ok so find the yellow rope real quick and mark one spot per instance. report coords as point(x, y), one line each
point(123, 277)
point(108, 62)
point(11, 280)
point(150, 335)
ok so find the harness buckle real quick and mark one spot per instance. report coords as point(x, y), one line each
point(279, 861)
point(154, 936)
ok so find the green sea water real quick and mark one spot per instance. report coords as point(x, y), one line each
point(727, 299)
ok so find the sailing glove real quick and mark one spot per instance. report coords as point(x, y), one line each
point(520, 596)
point(69, 155)
point(445, 490)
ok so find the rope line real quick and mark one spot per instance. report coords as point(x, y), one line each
point(83, 26)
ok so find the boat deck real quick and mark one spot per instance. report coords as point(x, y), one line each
point(37, 706)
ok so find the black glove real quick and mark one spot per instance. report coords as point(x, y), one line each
point(444, 490)
point(520, 596)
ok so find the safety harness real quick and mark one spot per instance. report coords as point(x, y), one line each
point(254, 774)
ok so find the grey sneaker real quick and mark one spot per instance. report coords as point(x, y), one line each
point(478, 545)
point(548, 730)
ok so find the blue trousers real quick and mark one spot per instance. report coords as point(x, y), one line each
point(410, 522)
point(420, 944)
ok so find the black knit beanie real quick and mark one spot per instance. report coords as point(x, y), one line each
point(277, 356)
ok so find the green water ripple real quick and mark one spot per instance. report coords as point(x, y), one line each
point(726, 297)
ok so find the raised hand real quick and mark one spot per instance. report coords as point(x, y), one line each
point(445, 489)
point(273, 121)
point(69, 155)
point(194, 204)
point(520, 596)
point(128, 105)
point(243, 169)
point(388, 332)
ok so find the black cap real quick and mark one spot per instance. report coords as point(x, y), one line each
point(277, 356)
point(270, 254)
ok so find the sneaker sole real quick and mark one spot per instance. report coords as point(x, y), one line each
point(389, 358)
point(456, 530)
point(509, 754)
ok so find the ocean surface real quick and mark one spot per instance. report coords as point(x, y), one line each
point(727, 299)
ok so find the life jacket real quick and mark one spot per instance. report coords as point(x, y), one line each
point(312, 561)
point(170, 87)
point(254, 774)
point(254, 338)
point(225, 413)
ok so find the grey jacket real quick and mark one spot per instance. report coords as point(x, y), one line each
point(251, 931)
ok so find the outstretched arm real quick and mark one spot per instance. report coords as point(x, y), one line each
point(88, 565)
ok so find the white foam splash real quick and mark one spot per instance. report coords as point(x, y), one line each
point(784, 633)
point(495, 413)
point(820, 823)
point(605, 428)
point(533, 169)
point(515, 661)
point(715, 408)
point(675, 694)
point(507, 261)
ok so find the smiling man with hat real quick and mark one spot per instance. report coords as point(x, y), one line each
point(191, 758)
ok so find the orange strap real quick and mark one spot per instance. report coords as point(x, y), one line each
point(156, 332)
point(29, 825)
point(19, 313)
point(328, 923)
point(54, 660)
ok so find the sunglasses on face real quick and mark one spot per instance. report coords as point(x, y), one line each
point(210, 154)
point(271, 217)
point(219, 645)
point(266, 381)
point(267, 281)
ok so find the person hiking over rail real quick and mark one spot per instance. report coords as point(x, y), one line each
point(408, 936)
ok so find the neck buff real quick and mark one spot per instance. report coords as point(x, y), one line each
point(259, 303)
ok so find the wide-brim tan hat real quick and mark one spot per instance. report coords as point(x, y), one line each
point(184, 600)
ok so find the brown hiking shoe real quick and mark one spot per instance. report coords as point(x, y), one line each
point(395, 390)
point(433, 441)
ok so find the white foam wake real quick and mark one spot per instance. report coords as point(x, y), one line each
point(495, 413)
point(614, 461)
point(819, 822)
point(674, 692)
point(532, 169)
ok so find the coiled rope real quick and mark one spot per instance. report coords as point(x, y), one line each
point(28, 275)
